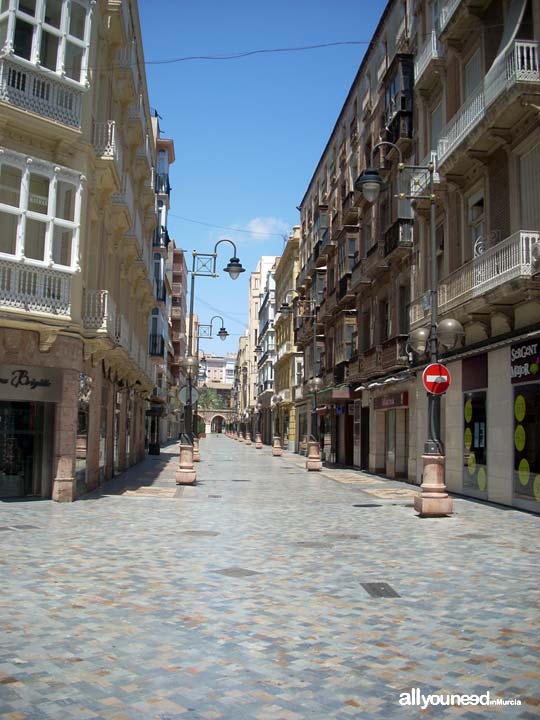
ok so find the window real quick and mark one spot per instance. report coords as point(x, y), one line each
point(383, 320)
point(39, 211)
point(404, 302)
point(476, 222)
point(57, 42)
point(365, 334)
point(435, 126)
point(472, 75)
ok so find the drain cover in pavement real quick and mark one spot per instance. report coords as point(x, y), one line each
point(240, 480)
point(342, 536)
point(367, 505)
point(202, 533)
point(237, 572)
point(19, 527)
point(379, 590)
point(215, 496)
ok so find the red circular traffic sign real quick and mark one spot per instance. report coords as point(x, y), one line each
point(436, 378)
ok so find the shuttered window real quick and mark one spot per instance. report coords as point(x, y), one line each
point(530, 182)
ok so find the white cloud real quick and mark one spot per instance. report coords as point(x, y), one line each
point(265, 228)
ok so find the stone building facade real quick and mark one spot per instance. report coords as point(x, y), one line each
point(77, 213)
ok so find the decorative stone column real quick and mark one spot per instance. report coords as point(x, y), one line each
point(433, 500)
point(313, 461)
point(276, 448)
point(248, 438)
point(196, 450)
point(186, 473)
point(64, 484)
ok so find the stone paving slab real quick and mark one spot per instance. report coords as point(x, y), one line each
point(141, 604)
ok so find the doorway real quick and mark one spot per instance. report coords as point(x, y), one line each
point(364, 439)
point(391, 443)
point(26, 440)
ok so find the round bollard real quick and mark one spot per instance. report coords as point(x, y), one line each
point(258, 441)
point(276, 448)
point(196, 450)
point(186, 473)
point(248, 438)
point(313, 461)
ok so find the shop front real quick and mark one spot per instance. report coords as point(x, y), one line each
point(525, 380)
point(28, 397)
point(390, 434)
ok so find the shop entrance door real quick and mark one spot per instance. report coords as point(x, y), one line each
point(391, 443)
point(25, 448)
point(364, 439)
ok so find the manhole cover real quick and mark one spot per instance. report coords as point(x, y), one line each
point(240, 480)
point(202, 533)
point(237, 572)
point(367, 505)
point(380, 590)
point(342, 536)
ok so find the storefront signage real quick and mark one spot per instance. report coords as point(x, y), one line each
point(390, 401)
point(525, 362)
point(30, 384)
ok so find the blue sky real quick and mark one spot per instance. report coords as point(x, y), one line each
point(249, 132)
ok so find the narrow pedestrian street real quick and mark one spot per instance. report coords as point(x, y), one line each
point(262, 593)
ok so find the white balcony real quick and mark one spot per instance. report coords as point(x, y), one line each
point(125, 197)
point(30, 88)
point(284, 349)
point(521, 64)
point(144, 154)
point(107, 144)
point(34, 288)
point(508, 260)
point(126, 59)
point(420, 178)
point(431, 51)
point(99, 312)
point(448, 9)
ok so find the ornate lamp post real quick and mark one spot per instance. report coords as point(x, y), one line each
point(315, 384)
point(258, 439)
point(204, 265)
point(433, 501)
point(276, 446)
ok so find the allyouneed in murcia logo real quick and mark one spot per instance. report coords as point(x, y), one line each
point(415, 698)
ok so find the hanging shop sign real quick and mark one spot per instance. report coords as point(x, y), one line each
point(525, 362)
point(391, 401)
point(30, 384)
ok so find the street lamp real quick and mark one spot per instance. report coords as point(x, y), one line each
point(204, 265)
point(315, 384)
point(434, 500)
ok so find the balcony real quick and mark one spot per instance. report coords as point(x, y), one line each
point(156, 346)
point(36, 289)
point(160, 291)
point(430, 59)
point(521, 65)
point(267, 356)
point(420, 178)
point(100, 312)
point(458, 17)
point(398, 238)
point(266, 386)
point(350, 209)
point(447, 12)
point(177, 289)
point(399, 129)
point(284, 350)
point(124, 201)
point(37, 90)
point(108, 147)
point(127, 84)
point(160, 238)
point(344, 292)
point(485, 278)
point(162, 185)
point(375, 264)
point(144, 156)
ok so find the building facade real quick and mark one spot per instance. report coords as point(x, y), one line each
point(77, 212)
point(288, 366)
point(456, 88)
point(266, 357)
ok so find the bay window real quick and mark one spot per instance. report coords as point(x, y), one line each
point(40, 207)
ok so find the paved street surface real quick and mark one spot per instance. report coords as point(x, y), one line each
point(247, 597)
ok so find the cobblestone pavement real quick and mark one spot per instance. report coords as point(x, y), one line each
point(247, 597)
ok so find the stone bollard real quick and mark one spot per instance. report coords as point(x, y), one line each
point(186, 473)
point(240, 437)
point(196, 450)
point(258, 441)
point(276, 448)
point(248, 438)
point(433, 500)
point(313, 461)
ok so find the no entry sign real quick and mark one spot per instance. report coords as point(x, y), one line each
point(436, 378)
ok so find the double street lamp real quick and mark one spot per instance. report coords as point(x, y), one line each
point(204, 265)
point(434, 500)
